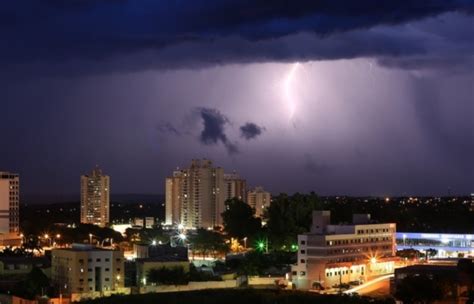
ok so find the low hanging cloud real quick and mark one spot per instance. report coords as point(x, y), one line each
point(225, 32)
point(250, 130)
point(168, 128)
point(214, 129)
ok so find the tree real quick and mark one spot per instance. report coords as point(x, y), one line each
point(168, 276)
point(32, 244)
point(206, 242)
point(289, 216)
point(36, 283)
point(239, 220)
point(431, 253)
point(418, 289)
point(409, 254)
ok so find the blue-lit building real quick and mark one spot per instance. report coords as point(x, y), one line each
point(447, 245)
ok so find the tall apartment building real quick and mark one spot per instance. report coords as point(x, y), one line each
point(235, 186)
point(9, 203)
point(258, 199)
point(333, 254)
point(86, 269)
point(95, 198)
point(195, 196)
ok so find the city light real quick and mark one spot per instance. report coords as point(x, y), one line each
point(182, 236)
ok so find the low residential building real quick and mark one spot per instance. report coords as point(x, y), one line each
point(330, 255)
point(86, 269)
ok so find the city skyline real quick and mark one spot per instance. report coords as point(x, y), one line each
point(340, 98)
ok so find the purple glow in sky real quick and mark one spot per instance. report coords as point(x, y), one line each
point(328, 101)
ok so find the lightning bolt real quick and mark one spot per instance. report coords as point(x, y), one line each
point(289, 98)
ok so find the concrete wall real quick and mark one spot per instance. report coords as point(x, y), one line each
point(191, 286)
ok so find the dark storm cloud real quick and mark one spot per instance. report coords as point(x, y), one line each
point(250, 130)
point(70, 32)
point(168, 128)
point(214, 129)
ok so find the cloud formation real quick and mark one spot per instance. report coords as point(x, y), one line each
point(117, 36)
point(251, 130)
point(214, 129)
point(168, 128)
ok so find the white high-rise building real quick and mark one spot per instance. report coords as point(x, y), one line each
point(9, 203)
point(259, 200)
point(95, 198)
point(235, 186)
point(195, 196)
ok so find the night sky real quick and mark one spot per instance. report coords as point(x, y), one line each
point(341, 97)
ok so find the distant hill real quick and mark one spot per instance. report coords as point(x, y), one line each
point(42, 199)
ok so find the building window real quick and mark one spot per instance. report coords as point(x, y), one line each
point(302, 261)
point(303, 251)
point(97, 260)
point(302, 273)
point(303, 242)
point(107, 269)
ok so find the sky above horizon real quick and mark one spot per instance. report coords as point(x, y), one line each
point(336, 97)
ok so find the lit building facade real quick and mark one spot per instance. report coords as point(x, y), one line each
point(258, 199)
point(195, 196)
point(86, 269)
point(235, 186)
point(445, 244)
point(95, 198)
point(9, 203)
point(330, 255)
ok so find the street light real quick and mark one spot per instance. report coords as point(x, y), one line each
point(245, 242)
point(90, 238)
point(46, 236)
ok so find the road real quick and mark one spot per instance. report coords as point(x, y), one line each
point(379, 286)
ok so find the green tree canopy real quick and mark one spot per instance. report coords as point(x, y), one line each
point(205, 242)
point(239, 220)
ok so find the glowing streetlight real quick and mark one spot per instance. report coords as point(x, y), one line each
point(373, 260)
point(90, 238)
point(153, 242)
point(182, 236)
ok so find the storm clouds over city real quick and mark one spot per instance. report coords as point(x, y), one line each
point(337, 97)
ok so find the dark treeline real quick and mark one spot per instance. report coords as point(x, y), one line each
point(238, 296)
